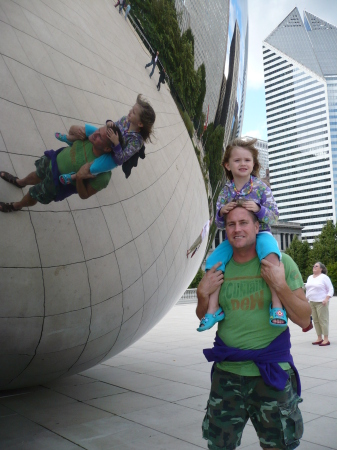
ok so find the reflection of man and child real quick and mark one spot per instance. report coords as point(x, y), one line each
point(84, 166)
point(251, 294)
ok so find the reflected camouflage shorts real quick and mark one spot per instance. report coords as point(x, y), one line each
point(234, 399)
point(44, 192)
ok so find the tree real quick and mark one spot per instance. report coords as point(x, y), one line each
point(324, 248)
point(159, 21)
point(188, 36)
point(199, 117)
point(213, 141)
point(332, 273)
point(196, 280)
point(299, 251)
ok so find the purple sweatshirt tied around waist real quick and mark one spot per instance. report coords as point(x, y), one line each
point(266, 359)
point(62, 190)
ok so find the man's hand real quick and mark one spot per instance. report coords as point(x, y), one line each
point(225, 209)
point(84, 172)
point(273, 275)
point(251, 206)
point(209, 284)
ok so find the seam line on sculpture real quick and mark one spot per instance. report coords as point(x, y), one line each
point(39, 254)
point(90, 294)
point(85, 91)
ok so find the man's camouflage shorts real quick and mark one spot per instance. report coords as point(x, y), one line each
point(44, 192)
point(234, 399)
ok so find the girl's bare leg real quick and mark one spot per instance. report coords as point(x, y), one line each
point(30, 180)
point(213, 304)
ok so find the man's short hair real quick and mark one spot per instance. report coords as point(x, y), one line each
point(240, 205)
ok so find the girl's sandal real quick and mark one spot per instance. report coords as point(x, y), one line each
point(63, 138)
point(7, 207)
point(66, 178)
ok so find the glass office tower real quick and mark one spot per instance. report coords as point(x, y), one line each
point(220, 29)
point(300, 72)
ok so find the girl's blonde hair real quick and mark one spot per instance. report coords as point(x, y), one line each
point(147, 117)
point(247, 145)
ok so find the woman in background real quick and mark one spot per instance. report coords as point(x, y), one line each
point(319, 290)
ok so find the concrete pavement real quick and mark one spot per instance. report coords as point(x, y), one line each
point(153, 395)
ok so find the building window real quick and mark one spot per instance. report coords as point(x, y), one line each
point(282, 247)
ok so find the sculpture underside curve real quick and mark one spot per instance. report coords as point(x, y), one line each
point(81, 280)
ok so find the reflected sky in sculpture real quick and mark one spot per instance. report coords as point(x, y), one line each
point(82, 280)
point(231, 102)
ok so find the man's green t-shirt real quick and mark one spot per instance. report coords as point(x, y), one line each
point(245, 298)
point(71, 159)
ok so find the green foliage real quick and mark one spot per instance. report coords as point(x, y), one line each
point(300, 251)
point(332, 273)
point(188, 36)
point(188, 122)
point(324, 249)
point(200, 117)
point(197, 151)
point(213, 142)
point(200, 125)
point(160, 24)
point(196, 279)
point(206, 161)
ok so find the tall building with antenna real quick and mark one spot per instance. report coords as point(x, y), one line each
point(300, 76)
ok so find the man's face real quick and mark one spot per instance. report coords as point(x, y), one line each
point(241, 229)
point(100, 140)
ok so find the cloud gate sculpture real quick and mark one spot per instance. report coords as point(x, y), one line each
point(83, 279)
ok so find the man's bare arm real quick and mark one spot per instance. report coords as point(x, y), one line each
point(295, 302)
point(209, 284)
point(84, 189)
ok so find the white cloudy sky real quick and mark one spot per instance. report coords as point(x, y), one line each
point(264, 17)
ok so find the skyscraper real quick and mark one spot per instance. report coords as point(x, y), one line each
point(220, 29)
point(300, 72)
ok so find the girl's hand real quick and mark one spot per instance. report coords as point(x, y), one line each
point(112, 136)
point(225, 209)
point(251, 206)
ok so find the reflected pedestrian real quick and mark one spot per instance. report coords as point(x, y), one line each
point(196, 244)
point(121, 5)
point(127, 10)
point(153, 62)
point(161, 78)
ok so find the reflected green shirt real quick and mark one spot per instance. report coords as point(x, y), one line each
point(245, 298)
point(71, 159)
